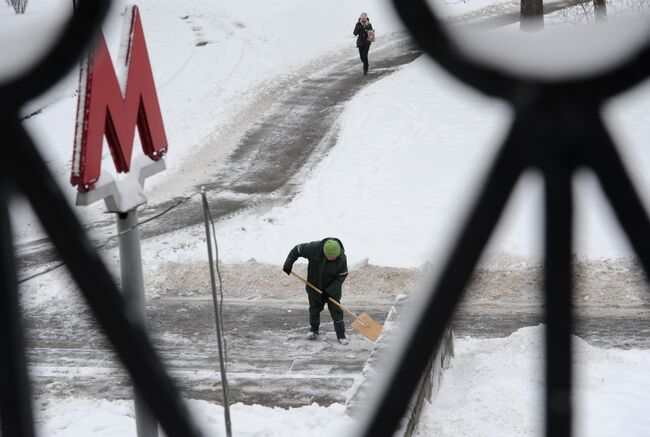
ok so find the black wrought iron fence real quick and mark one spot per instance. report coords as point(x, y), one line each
point(557, 129)
point(25, 173)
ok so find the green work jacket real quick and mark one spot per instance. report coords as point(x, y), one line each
point(326, 275)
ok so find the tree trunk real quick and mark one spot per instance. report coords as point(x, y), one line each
point(19, 5)
point(532, 15)
point(600, 10)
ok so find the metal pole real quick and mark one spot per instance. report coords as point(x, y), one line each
point(133, 292)
point(224, 382)
point(558, 301)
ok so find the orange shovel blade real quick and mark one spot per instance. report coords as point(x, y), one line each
point(367, 326)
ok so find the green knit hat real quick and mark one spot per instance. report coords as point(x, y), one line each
point(331, 248)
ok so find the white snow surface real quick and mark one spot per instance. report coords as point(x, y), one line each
point(402, 174)
point(411, 154)
point(27, 37)
point(562, 52)
point(397, 185)
point(495, 388)
point(76, 417)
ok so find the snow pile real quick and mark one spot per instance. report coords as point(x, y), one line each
point(494, 387)
point(77, 417)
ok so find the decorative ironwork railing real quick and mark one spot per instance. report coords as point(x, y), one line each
point(557, 129)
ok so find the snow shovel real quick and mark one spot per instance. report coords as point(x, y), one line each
point(363, 323)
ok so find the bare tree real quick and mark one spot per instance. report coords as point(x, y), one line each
point(18, 5)
point(532, 15)
point(589, 12)
point(600, 10)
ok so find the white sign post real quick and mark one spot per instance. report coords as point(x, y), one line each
point(111, 106)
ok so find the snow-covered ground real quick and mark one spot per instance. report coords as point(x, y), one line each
point(83, 417)
point(495, 388)
point(250, 49)
point(411, 151)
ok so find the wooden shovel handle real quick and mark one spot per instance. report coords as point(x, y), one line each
point(320, 292)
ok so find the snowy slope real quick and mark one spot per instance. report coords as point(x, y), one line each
point(210, 62)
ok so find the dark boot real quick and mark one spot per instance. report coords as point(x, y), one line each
point(314, 324)
point(339, 327)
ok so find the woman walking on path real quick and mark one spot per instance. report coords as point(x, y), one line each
point(362, 30)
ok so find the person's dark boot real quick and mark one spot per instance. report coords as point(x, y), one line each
point(339, 328)
point(314, 324)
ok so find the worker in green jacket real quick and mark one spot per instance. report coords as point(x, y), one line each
point(326, 270)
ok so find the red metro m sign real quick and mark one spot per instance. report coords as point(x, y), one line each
point(104, 110)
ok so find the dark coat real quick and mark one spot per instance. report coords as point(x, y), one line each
point(362, 33)
point(325, 275)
